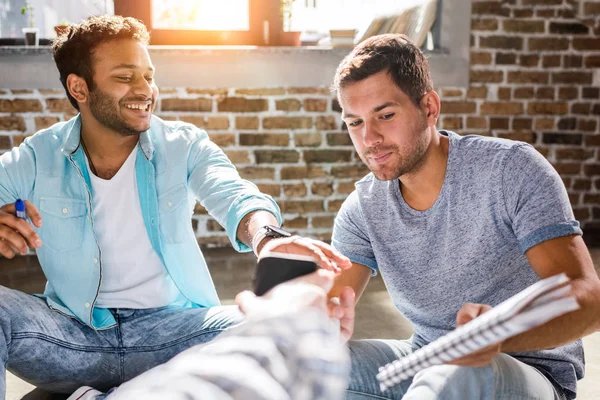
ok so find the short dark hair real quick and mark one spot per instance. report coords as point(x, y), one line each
point(395, 53)
point(73, 49)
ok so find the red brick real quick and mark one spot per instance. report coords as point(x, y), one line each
point(352, 171)
point(574, 154)
point(20, 105)
point(523, 136)
point(484, 24)
point(294, 190)
point(287, 123)
point(520, 124)
point(582, 184)
point(506, 58)
point(241, 104)
point(548, 43)
point(586, 125)
point(327, 123)
point(22, 91)
point(345, 187)
point(261, 92)
point(452, 123)
point(270, 189)
point(501, 42)
point(276, 156)
point(307, 139)
point(544, 123)
point(568, 168)
point(592, 44)
point(529, 60)
point(551, 61)
point(308, 90)
point(334, 205)
point(184, 104)
point(542, 2)
point(580, 108)
point(592, 140)
point(317, 105)
point(327, 156)
point(302, 206)
point(572, 61)
point(296, 223)
point(592, 61)
point(486, 76)
point(264, 139)
point(523, 93)
point(210, 92)
point(504, 93)
point(254, 173)
point(322, 188)
point(210, 123)
point(490, 8)
point(567, 124)
point(591, 169)
point(5, 142)
point(458, 107)
point(322, 221)
point(501, 108)
point(246, 123)
point(18, 139)
point(288, 105)
point(481, 58)
point(568, 93)
point(339, 139)
point(591, 8)
point(527, 77)
point(476, 123)
point(302, 172)
point(238, 156)
point(547, 108)
point(44, 122)
point(498, 123)
point(477, 92)
point(568, 28)
point(213, 226)
point(590, 198)
point(581, 214)
point(12, 124)
point(523, 26)
point(452, 92)
point(544, 93)
point(562, 138)
point(223, 139)
point(545, 13)
point(584, 78)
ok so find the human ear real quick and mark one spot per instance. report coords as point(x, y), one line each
point(77, 88)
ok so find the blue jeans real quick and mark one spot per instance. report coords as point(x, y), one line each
point(505, 378)
point(59, 354)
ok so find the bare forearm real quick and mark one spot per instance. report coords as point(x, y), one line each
point(564, 329)
point(253, 222)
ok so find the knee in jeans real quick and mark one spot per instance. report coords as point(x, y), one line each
point(453, 378)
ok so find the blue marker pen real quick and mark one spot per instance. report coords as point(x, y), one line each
point(20, 209)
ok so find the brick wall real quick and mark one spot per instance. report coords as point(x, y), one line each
point(534, 77)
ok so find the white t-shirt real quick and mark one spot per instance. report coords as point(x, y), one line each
point(132, 274)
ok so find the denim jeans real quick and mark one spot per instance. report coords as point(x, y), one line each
point(505, 378)
point(59, 354)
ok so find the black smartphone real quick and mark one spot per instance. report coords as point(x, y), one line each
point(276, 268)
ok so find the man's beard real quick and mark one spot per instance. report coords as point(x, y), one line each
point(106, 111)
point(408, 164)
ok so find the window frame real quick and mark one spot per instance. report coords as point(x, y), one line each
point(261, 12)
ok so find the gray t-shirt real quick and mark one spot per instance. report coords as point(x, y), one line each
point(499, 198)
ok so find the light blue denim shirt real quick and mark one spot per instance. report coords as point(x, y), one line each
point(176, 165)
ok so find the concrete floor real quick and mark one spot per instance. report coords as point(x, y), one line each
point(376, 316)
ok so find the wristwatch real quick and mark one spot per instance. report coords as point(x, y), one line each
point(267, 231)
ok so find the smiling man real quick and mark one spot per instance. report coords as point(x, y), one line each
point(454, 224)
point(110, 194)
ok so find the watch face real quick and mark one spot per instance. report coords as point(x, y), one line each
point(276, 232)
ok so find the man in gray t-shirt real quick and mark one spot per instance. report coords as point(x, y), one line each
point(455, 225)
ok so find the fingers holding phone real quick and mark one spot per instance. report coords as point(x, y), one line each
point(16, 233)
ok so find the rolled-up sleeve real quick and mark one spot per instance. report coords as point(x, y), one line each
point(17, 174)
point(219, 188)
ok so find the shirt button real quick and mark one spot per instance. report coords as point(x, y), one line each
point(65, 210)
point(87, 305)
point(95, 260)
point(169, 204)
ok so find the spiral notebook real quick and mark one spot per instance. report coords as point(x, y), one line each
point(532, 307)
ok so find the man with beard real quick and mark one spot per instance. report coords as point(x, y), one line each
point(110, 194)
point(454, 224)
